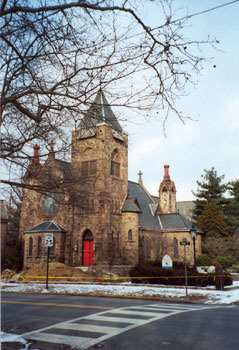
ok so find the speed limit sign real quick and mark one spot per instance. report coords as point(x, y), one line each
point(49, 240)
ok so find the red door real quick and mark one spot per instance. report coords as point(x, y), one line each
point(88, 253)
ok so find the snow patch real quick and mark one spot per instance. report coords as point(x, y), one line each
point(210, 295)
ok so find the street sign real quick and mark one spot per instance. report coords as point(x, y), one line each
point(184, 242)
point(49, 242)
point(167, 262)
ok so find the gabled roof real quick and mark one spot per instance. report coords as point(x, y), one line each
point(131, 205)
point(147, 217)
point(100, 112)
point(46, 226)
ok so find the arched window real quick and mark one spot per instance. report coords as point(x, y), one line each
point(88, 163)
point(30, 246)
point(130, 235)
point(52, 249)
point(115, 163)
point(175, 247)
point(39, 246)
point(148, 249)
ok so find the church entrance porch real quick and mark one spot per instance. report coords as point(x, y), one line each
point(88, 249)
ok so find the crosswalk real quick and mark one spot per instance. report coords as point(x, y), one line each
point(84, 332)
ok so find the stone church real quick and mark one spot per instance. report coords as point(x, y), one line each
point(96, 215)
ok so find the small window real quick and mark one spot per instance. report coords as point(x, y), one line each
point(52, 249)
point(115, 169)
point(175, 247)
point(115, 163)
point(39, 246)
point(88, 168)
point(130, 235)
point(148, 248)
point(30, 246)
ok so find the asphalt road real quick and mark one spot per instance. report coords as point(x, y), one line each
point(66, 322)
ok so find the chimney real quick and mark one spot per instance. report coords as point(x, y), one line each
point(166, 173)
point(35, 159)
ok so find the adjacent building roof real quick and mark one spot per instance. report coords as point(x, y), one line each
point(46, 226)
point(100, 112)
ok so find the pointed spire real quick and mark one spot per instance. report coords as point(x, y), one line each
point(140, 181)
point(35, 159)
point(100, 112)
point(167, 194)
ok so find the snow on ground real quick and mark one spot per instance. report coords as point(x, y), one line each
point(9, 338)
point(210, 296)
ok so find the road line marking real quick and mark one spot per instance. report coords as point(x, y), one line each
point(113, 319)
point(53, 304)
point(136, 313)
point(87, 327)
point(77, 342)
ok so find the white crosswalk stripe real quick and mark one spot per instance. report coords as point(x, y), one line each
point(84, 332)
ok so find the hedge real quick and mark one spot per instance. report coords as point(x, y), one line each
point(153, 273)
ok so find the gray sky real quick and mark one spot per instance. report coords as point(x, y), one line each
point(213, 138)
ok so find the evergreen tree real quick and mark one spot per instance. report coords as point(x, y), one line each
point(211, 221)
point(210, 189)
point(231, 209)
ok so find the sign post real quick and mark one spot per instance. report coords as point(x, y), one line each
point(49, 241)
point(184, 243)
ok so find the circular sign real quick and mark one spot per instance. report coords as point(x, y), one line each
point(49, 203)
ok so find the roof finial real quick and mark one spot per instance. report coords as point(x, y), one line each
point(51, 155)
point(35, 159)
point(140, 181)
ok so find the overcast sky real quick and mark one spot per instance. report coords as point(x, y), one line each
point(212, 140)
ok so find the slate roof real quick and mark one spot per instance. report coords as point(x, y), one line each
point(100, 112)
point(131, 205)
point(176, 221)
point(46, 226)
point(147, 219)
point(65, 167)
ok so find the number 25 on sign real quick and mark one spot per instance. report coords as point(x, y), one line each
point(49, 240)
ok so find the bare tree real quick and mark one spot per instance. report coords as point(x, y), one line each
point(57, 54)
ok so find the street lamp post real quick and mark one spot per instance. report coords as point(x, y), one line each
point(194, 235)
point(184, 243)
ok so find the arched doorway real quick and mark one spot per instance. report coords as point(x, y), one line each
point(88, 248)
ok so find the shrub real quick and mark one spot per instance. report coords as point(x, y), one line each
point(226, 261)
point(203, 260)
